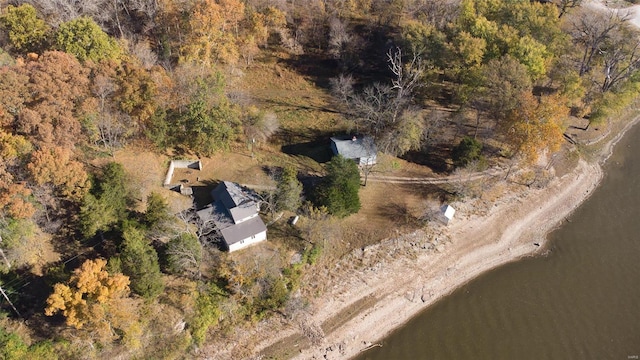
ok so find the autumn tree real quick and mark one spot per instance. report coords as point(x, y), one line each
point(503, 81)
point(13, 94)
point(135, 93)
point(523, 29)
point(58, 86)
point(339, 189)
point(55, 166)
point(535, 126)
point(27, 32)
point(93, 300)
point(15, 196)
point(213, 30)
point(83, 38)
point(430, 43)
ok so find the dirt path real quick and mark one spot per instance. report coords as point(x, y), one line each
point(435, 180)
point(605, 5)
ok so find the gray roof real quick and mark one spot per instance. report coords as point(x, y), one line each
point(361, 147)
point(234, 233)
point(238, 203)
point(234, 213)
point(231, 194)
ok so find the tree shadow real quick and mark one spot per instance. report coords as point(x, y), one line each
point(202, 193)
point(318, 150)
point(398, 213)
point(309, 185)
point(436, 157)
point(372, 43)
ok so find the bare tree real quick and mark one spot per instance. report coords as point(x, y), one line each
point(439, 13)
point(591, 29)
point(59, 11)
point(378, 111)
point(210, 226)
point(185, 254)
point(4, 257)
point(110, 124)
point(621, 58)
point(565, 5)
point(344, 45)
point(142, 51)
point(370, 151)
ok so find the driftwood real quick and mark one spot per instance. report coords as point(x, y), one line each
point(371, 347)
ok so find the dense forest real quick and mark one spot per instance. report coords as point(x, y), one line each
point(90, 269)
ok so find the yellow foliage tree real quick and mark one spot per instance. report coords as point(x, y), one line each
point(95, 300)
point(535, 125)
point(213, 32)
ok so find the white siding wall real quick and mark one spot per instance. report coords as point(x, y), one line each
point(249, 241)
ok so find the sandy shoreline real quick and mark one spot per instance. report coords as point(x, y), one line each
point(477, 245)
point(384, 295)
point(395, 291)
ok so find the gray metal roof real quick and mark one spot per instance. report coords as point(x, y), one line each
point(231, 194)
point(234, 213)
point(236, 232)
point(237, 202)
point(361, 147)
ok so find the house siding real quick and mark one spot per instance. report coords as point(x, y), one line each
point(262, 236)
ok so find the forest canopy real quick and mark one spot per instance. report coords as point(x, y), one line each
point(82, 80)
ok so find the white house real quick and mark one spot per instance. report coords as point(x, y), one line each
point(234, 212)
point(360, 149)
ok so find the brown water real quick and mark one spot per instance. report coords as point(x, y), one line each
point(580, 301)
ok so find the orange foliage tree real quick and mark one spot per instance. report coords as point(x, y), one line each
point(58, 86)
point(55, 166)
point(14, 195)
point(535, 126)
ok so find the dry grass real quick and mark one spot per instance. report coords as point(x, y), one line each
point(305, 111)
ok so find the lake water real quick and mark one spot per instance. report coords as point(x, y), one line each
point(580, 301)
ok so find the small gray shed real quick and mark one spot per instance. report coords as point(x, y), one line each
point(360, 149)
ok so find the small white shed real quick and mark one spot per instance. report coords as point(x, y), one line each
point(447, 213)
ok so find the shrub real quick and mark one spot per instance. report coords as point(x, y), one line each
point(467, 151)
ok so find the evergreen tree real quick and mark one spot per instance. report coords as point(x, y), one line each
point(288, 196)
point(157, 209)
point(106, 205)
point(468, 150)
point(139, 261)
point(339, 189)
